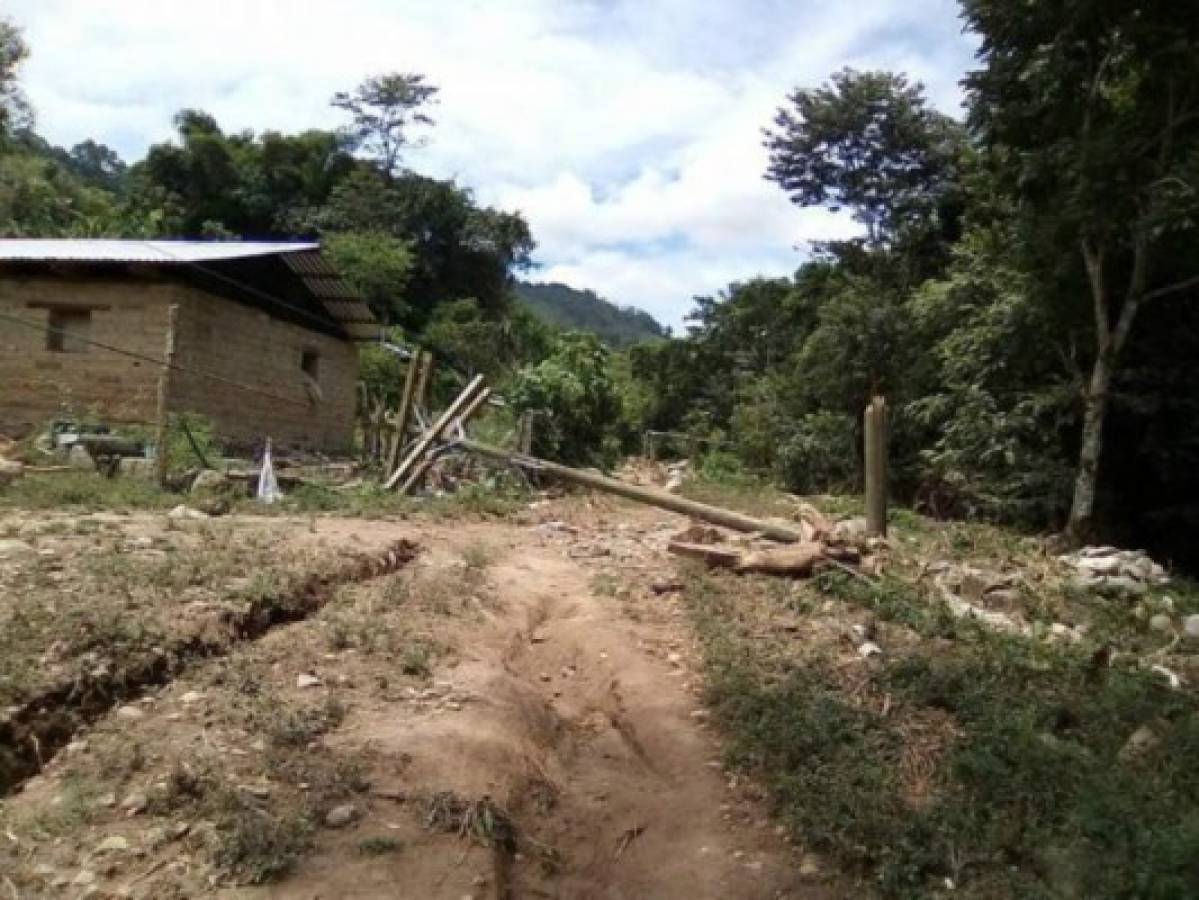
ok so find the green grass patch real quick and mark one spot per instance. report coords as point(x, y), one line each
point(86, 490)
point(1032, 793)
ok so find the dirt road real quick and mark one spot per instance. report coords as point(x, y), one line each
point(553, 746)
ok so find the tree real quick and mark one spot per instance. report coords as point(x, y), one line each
point(14, 109)
point(382, 110)
point(866, 141)
point(1091, 112)
point(378, 266)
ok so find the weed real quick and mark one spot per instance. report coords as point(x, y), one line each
point(379, 845)
point(256, 845)
point(476, 556)
point(416, 658)
point(85, 489)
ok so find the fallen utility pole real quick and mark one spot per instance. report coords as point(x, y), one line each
point(663, 500)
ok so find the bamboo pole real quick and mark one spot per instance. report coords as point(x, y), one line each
point(672, 502)
point(425, 442)
point(875, 421)
point(446, 433)
point(164, 387)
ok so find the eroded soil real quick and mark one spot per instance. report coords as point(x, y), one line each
point(515, 714)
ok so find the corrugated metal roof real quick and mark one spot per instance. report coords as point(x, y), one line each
point(142, 251)
point(319, 276)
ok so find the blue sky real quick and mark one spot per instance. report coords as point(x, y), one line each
point(627, 131)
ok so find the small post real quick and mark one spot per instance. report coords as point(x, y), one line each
point(875, 422)
point(524, 432)
point(164, 386)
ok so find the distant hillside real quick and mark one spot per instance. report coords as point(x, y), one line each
point(573, 310)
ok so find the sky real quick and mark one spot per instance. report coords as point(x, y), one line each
point(628, 132)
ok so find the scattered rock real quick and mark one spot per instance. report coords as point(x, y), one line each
point(307, 680)
point(129, 711)
point(135, 803)
point(191, 697)
point(112, 844)
point(1139, 742)
point(183, 511)
point(674, 659)
point(1190, 627)
point(209, 480)
point(869, 649)
point(1113, 572)
point(809, 866)
point(341, 816)
point(84, 878)
point(1161, 623)
point(140, 542)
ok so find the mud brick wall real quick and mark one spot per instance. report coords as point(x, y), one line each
point(248, 346)
point(38, 384)
point(214, 335)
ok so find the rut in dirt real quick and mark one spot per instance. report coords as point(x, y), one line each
point(35, 731)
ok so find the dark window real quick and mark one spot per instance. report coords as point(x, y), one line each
point(310, 362)
point(69, 330)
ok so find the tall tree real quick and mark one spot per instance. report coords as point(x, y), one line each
point(14, 110)
point(866, 141)
point(1091, 110)
point(382, 111)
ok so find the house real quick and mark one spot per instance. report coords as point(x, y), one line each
point(264, 339)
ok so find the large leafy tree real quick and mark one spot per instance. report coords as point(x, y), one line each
point(383, 110)
point(1091, 112)
point(867, 142)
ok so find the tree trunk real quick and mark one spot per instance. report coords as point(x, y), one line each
point(1080, 527)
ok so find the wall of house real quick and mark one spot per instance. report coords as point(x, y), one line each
point(38, 384)
point(214, 335)
point(249, 347)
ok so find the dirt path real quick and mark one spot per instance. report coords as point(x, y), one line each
point(588, 733)
point(558, 749)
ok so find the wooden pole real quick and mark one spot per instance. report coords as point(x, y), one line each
point(425, 442)
point(875, 421)
point(164, 388)
point(425, 464)
point(404, 415)
point(422, 382)
point(524, 432)
point(674, 503)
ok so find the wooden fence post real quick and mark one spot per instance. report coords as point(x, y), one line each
point(524, 432)
point(404, 414)
point(164, 386)
point(421, 398)
point(875, 422)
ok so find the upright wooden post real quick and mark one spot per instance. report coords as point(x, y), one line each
point(524, 432)
point(164, 386)
point(404, 414)
point(875, 422)
point(421, 398)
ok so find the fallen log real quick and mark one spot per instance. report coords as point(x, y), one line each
point(797, 559)
point(661, 499)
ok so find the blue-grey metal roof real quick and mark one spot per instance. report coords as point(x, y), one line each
point(304, 259)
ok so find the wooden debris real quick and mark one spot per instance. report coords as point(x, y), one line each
point(426, 441)
point(796, 560)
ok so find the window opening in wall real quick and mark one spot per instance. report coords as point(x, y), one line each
point(310, 362)
point(69, 330)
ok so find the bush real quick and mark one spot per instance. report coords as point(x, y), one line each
point(820, 455)
point(576, 400)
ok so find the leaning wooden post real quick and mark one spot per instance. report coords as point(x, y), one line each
point(164, 387)
point(404, 414)
point(875, 422)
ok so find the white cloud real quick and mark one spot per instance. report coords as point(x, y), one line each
point(628, 131)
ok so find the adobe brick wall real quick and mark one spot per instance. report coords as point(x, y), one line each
point(214, 335)
point(250, 347)
point(37, 384)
